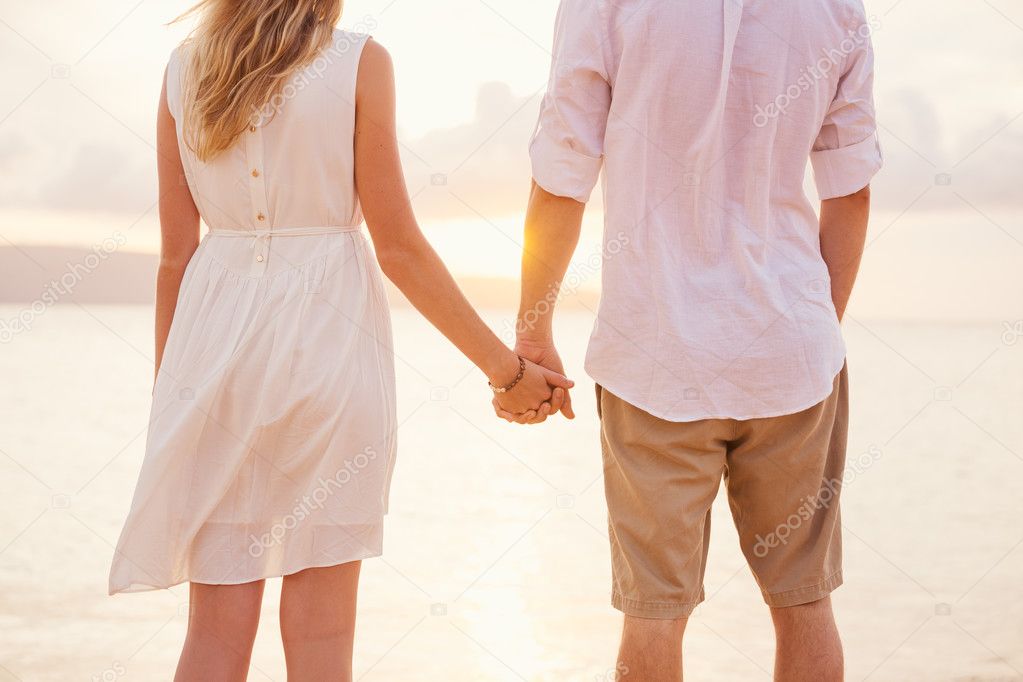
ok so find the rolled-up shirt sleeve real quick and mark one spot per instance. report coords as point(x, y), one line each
point(847, 154)
point(567, 148)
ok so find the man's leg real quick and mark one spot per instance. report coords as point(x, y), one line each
point(808, 646)
point(660, 479)
point(784, 483)
point(651, 650)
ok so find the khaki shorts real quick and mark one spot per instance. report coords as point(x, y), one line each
point(783, 476)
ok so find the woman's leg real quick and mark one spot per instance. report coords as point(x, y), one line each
point(222, 623)
point(318, 622)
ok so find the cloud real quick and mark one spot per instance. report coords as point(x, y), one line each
point(975, 162)
point(481, 168)
point(101, 178)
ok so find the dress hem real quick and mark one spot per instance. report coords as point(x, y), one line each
point(146, 587)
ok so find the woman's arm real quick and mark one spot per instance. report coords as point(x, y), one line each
point(179, 223)
point(407, 258)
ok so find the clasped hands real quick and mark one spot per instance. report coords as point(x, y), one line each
point(543, 390)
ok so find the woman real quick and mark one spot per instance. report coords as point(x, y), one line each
point(272, 434)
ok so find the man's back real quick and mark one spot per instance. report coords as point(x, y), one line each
point(716, 300)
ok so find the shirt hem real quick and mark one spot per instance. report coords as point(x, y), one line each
point(666, 415)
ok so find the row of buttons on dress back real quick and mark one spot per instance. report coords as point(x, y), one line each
point(257, 196)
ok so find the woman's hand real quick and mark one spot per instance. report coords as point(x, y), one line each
point(544, 354)
point(530, 398)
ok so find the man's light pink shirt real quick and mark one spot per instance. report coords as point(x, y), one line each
point(716, 301)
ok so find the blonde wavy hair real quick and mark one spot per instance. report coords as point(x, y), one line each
point(240, 55)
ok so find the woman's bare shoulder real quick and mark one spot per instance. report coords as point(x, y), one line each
point(376, 71)
point(376, 60)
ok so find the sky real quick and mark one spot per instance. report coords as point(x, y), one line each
point(82, 82)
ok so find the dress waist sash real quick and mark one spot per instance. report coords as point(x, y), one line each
point(260, 243)
point(285, 231)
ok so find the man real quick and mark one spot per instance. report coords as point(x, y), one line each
point(717, 350)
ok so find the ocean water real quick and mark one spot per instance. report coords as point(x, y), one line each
point(496, 564)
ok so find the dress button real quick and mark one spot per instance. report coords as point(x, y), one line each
point(252, 129)
point(259, 258)
point(255, 172)
point(260, 216)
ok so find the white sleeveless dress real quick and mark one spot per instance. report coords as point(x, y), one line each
point(272, 435)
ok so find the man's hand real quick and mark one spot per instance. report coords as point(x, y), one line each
point(545, 355)
point(531, 400)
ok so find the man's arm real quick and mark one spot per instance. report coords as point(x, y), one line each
point(407, 258)
point(552, 231)
point(843, 235)
point(567, 154)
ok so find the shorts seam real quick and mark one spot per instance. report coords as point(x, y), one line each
point(653, 609)
point(804, 595)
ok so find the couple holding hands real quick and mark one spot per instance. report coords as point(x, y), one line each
point(717, 350)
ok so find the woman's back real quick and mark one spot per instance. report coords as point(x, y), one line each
point(294, 166)
point(276, 373)
point(273, 429)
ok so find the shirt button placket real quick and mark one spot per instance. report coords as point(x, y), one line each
point(257, 196)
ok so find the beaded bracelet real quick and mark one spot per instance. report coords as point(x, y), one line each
point(515, 381)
